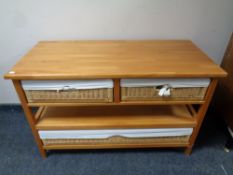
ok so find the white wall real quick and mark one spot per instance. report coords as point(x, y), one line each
point(208, 23)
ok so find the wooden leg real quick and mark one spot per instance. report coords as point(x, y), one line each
point(29, 115)
point(201, 115)
point(229, 144)
point(188, 150)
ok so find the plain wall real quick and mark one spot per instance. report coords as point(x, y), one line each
point(23, 23)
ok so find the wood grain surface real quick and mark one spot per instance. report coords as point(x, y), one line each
point(114, 59)
point(110, 117)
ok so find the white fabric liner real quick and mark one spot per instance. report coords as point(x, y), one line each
point(101, 134)
point(66, 84)
point(176, 83)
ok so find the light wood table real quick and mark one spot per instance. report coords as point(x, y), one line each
point(73, 60)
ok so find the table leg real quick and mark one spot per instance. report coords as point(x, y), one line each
point(201, 115)
point(29, 115)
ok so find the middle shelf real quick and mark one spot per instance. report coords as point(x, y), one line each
point(115, 117)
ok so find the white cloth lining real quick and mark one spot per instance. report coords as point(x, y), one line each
point(176, 83)
point(66, 84)
point(131, 133)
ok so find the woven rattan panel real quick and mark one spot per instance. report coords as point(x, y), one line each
point(151, 93)
point(84, 95)
point(116, 140)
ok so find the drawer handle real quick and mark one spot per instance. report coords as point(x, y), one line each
point(165, 91)
point(65, 88)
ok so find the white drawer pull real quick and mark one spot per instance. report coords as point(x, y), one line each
point(165, 91)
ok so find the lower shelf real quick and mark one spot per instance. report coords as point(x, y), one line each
point(111, 117)
point(115, 117)
point(116, 142)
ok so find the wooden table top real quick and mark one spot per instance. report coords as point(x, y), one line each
point(114, 59)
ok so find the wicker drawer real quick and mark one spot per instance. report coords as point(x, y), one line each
point(69, 91)
point(115, 136)
point(163, 89)
point(117, 140)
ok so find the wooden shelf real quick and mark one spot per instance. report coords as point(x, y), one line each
point(117, 104)
point(110, 117)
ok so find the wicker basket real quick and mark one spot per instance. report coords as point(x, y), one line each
point(82, 95)
point(116, 140)
point(151, 93)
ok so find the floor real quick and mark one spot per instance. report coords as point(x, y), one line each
point(19, 154)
